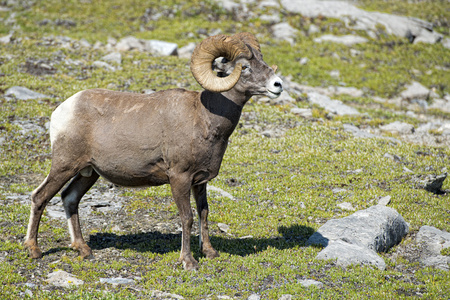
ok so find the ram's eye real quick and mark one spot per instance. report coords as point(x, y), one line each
point(244, 68)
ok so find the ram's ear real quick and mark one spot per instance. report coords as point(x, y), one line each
point(275, 68)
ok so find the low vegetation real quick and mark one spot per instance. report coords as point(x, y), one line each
point(282, 187)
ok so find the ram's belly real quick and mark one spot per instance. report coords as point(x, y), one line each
point(129, 174)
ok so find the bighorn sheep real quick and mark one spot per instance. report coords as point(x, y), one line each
point(174, 137)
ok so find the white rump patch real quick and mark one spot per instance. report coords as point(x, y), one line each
point(62, 117)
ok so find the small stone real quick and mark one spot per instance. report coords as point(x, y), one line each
point(313, 29)
point(398, 128)
point(23, 93)
point(129, 43)
point(285, 297)
point(268, 133)
point(333, 106)
point(163, 295)
point(6, 39)
point(160, 48)
point(348, 40)
point(113, 57)
point(254, 297)
point(303, 61)
point(347, 254)
point(384, 200)
point(431, 183)
point(84, 43)
point(117, 281)
point(284, 31)
point(223, 227)
point(186, 51)
point(346, 206)
point(103, 65)
point(63, 279)
point(415, 91)
point(358, 133)
point(310, 283)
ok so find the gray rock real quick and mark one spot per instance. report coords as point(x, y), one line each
point(384, 200)
point(63, 279)
point(160, 48)
point(398, 128)
point(6, 39)
point(433, 242)
point(313, 29)
point(186, 51)
point(346, 206)
point(351, 254)
point(342, 90)
point(113, 57)
point(28, 127)
point(271, 19)
point(347, 40)
point(358, 133)
point(333, 106)
point(220, 191)
point(377, 228)
point(254, 297)
point(103, 65)
point(415, 91)
point(23, 93)
point(303, 112)
point(223, 227)
point(411, 28)
point(446, 42)
point(441, 104)
point(431, 183)
point(129, 43)
point(303, 61)
point(269, 3)
point(310, 283)
point(56, 212)
point(163, 295)
point(284, 31)
point(228, 5)
point(117, 281)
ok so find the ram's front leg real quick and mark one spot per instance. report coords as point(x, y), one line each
point(181, 186)
point(200, 196)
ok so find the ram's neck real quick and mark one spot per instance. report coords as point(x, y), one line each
point(224, 113)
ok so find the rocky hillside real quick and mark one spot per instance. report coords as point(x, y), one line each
point(360, 136)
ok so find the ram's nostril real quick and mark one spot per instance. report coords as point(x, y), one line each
point(277, 84)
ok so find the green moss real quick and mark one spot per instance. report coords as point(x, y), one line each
point(282, 187)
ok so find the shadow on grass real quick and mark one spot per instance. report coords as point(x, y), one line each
point(160, 243)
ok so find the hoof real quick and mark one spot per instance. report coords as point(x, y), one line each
point(33, 250)
point(83, 251)
point(210, 253)
point(190, 264)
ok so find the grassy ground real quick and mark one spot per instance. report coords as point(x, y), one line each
point(268, 177)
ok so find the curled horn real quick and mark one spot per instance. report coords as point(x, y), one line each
point(210, 49)
point(249, 39)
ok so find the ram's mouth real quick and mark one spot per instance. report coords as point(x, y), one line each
point(273, 95)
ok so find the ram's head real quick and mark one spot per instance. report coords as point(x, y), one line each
point(239, 64)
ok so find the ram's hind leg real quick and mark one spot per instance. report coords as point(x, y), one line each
point(39, 199)
point(71, 197)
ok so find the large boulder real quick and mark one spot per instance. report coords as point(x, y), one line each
point(377, 228)
point(414, 29)
point(433, 241)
